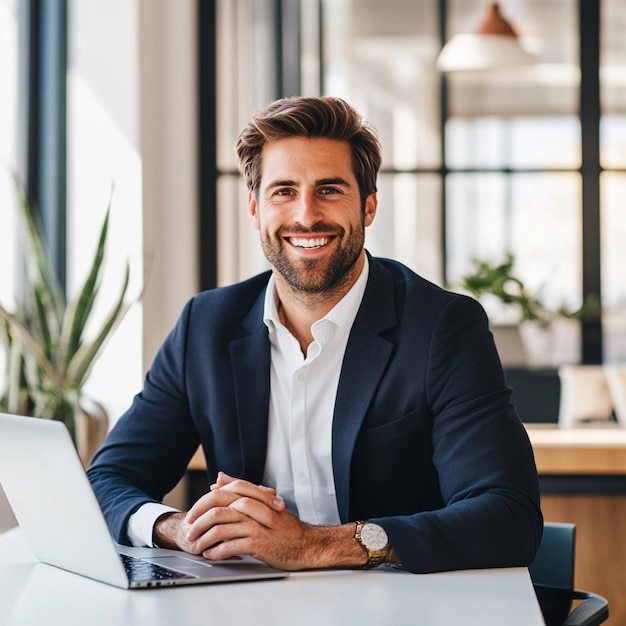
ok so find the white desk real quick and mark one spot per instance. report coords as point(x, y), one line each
point(32, 594)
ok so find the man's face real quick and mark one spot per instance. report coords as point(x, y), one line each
point(309, 213)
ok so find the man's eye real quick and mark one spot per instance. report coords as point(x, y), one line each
point(328, 190)
point(283, 192)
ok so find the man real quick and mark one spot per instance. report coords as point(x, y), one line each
point(350, 412)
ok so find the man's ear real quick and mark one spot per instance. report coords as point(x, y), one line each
point(253, 213)
point(371, 204)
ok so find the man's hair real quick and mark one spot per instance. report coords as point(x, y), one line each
point(311, 117)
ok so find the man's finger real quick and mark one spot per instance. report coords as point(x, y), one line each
point(245, 489)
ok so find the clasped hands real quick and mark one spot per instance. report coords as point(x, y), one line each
point(236, 517)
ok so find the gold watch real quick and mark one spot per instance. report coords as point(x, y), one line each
point(375, 541)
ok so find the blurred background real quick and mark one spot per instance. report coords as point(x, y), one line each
point(141, 101)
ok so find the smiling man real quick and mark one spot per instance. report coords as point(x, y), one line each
point(351, 413)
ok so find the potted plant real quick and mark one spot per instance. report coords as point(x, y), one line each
point(48, 354)
point(523, 339)
point(498, 280)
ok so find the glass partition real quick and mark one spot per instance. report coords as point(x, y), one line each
point(476, 164)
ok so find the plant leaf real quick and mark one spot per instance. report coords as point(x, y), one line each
point(30, 344)
point(37, 263)
point(39, 323)
point(80, 365)
point(78, 312)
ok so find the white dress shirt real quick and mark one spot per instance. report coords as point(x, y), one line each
point(302, 400)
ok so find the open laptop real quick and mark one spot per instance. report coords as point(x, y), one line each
point(54, 504)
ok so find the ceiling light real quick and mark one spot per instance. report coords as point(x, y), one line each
point(493, 45)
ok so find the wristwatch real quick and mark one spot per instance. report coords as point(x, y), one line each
point(375, 541)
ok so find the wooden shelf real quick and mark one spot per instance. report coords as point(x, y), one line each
point(579, 451)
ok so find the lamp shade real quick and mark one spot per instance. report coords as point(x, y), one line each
point(494, 45)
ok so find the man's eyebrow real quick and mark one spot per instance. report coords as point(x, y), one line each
point(281, 183)
point(333, 181)
point(336, 180)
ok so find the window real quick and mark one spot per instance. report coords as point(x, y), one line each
point(474, 165)
point(8, 152)
point(104, 164)
point(613, 179)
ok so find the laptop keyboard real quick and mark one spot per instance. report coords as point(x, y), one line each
point(139, 569)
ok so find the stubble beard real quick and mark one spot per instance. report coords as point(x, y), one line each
point(321, 276)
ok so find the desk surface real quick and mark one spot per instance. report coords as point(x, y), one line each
point(32, 593)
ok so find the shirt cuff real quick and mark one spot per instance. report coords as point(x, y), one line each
point(141, 523)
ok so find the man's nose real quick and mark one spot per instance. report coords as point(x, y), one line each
point(308, 210)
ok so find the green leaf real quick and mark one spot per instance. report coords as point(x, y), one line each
point(498, 280)
point(48, 357)
point(39, 323)
point(38, 267)
point(31, 345)
point(81, 363)
point(78, 313)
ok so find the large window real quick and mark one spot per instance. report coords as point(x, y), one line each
point(8, 152)
point(613, 179)
point(104, 164)
point(475, 164)
point(87, 106)
point(8, 144)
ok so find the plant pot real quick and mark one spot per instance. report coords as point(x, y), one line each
point(91, 427)
point(510, 345)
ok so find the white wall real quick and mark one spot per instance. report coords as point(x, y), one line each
point(168, 149)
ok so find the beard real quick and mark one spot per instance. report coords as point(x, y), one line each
point(320, 275)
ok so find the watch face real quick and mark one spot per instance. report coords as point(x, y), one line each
point(374, 537)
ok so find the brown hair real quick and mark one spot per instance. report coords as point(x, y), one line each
point(312, 117)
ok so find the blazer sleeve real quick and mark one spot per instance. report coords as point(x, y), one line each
point(147, 451)
point(482, 455)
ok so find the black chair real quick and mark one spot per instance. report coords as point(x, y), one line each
point(552, 573)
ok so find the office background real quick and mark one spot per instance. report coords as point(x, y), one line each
point(141, 101)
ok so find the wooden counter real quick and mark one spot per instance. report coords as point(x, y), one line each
point(558, 451)
point(597, 455)
point(580, 451)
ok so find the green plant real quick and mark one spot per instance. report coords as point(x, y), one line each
point(498, 279)
point(48, 355)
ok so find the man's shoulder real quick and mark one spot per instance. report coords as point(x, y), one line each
point(245, 291)
point(410, 288)
point(404, 277)
point(226, 308)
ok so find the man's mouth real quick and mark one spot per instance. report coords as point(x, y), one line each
point(302, 242)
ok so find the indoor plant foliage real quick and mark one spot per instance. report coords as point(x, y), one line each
point(498, 280)
point(48, 355)
point(531, 334)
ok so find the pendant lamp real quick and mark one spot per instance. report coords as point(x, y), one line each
point(494, 45)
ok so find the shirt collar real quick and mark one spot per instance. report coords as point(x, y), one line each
point(342, 314)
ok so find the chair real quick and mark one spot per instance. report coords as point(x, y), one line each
point(552, 573)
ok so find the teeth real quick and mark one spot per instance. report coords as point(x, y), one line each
point(309, 243)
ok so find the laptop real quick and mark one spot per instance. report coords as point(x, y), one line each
point(54, 504)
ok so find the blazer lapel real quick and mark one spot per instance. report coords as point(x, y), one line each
point(250, 360)
point(366, 358)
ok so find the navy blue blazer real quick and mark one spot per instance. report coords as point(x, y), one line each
point(425, 439)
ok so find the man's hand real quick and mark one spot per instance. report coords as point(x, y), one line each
point(237, 517)
point(173, 530)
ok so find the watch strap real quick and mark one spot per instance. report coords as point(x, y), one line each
point(374, 557)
